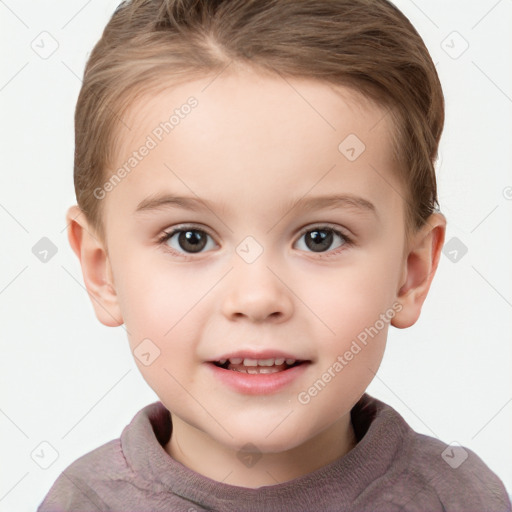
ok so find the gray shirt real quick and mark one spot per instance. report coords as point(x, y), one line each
point(392, 468)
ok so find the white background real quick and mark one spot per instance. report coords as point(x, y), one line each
point(71, 382)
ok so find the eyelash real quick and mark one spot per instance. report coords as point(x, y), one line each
point(167, 235)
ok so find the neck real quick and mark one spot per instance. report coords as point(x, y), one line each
point(199, 452)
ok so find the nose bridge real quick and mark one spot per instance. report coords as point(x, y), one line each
point(255, 289)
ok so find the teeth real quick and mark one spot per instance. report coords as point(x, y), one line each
point(262, 362)
point(256, 370)
point(268, 370)
point(253, 363)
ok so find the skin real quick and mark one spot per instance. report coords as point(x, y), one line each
point(252, 147)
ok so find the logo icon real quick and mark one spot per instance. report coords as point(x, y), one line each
point(351, 147)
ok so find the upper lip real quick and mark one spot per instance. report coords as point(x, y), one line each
point(258, 354)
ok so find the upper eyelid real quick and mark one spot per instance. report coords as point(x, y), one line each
point(308, 227)
point(320, 225)
point(185, 227)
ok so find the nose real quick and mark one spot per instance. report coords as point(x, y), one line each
point(257, 292)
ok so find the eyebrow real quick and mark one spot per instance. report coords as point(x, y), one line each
point(164, 201)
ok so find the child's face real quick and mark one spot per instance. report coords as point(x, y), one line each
point(258, 287)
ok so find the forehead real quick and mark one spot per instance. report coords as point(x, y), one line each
point(261, 138)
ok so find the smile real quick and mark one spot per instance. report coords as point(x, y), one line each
point(258, 373)
point(257, 366)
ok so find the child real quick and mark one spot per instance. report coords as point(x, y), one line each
point(256, 204)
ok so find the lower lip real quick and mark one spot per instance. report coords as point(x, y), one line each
point(258, 384)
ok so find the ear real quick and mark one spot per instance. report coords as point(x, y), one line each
point(96, 269)
point(420, 264)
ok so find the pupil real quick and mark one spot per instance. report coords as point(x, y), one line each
point(319, 240)
point(192, 241)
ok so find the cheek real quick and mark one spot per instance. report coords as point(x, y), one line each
point(154, 297)
point(355, 304)
point(354, 294)
point(159, 312)
point(163, 314)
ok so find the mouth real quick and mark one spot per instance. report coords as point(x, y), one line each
point(258, 373)
point(258, 366)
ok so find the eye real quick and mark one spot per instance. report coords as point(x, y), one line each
point(320, 238)
point(190, 240)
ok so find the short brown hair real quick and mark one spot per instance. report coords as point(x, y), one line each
point(367, 45)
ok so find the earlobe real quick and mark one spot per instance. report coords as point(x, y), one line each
point(419, 269)
point(96, 269)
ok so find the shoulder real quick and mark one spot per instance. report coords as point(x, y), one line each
point(455, 474)
point(115, 471)
point(423, 472)
point(80, 485)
